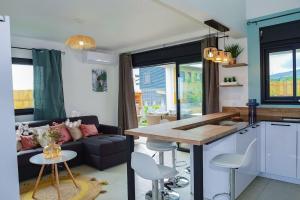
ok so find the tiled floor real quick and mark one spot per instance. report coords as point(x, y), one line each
point(268, 189)
point(260, 189)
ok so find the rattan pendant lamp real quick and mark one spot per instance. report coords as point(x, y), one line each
point(81, 42)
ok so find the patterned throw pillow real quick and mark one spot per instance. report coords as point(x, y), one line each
point(28, 142)
point(88, 130)
point(74, 130)
point(64, 133)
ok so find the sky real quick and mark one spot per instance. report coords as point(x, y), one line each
point(283, 61)
point(22, 77)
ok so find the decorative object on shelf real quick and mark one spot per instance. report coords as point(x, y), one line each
point(81, 42)
point(230, 81)
point(99, 78)
point(233, 79)
point(235, 50)
point(212, 53)
point(252, 104)
point(52, 150)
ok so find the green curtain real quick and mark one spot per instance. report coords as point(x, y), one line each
point(48, 85)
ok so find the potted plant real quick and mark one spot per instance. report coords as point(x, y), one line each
point(235, 50)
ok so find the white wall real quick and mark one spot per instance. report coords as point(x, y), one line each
point(259, 8)
point(235, 96)
point(77, 81)
point(8, 154)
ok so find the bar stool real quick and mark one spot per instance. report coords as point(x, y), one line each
point(233, 162)
point(161, 147)
point(153, 171)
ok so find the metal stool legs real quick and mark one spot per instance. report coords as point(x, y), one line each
point(178, 181)
point(231, 194)
point(163, 194)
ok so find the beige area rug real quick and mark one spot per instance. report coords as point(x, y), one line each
point(89, 189)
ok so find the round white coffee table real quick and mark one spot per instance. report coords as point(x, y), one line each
point(39, 159)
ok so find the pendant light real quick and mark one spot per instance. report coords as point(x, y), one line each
point(209, 52)
point(227, 55)
point(81, 42)
point(219, 56)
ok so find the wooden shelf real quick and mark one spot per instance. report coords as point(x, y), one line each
point(233, 85)
point(235, 65)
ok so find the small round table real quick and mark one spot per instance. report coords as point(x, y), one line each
point(39, 159)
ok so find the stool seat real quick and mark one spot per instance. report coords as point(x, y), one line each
point(167, 172)
point(153, 171)
point(160, 146)
point(233, 161)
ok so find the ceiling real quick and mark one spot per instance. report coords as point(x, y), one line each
point(115, 24)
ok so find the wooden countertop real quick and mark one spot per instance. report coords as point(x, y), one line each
point(196, 131)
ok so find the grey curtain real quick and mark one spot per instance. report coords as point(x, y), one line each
point(48, 86)
point(127, 110)
point(211, 79)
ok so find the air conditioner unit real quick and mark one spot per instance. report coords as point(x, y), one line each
point(94, 57)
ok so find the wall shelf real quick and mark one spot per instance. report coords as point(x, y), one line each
point(233, 85)
point(235, 65)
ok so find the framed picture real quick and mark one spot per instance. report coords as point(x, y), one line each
point(99, 78)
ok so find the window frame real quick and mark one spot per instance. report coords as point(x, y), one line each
point(23, 61)
point(266, 49)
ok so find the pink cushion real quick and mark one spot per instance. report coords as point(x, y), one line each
point(64, 133)
point(27, 142)
point(88, 130)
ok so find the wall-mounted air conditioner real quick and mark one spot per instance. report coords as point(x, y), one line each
point(96, 57)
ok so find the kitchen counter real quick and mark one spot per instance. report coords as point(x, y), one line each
point(195, 131)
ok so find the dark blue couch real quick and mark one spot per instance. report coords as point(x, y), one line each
point(101, 151)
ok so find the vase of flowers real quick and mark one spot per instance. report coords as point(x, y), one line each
point(52, 150)
point(235, 50)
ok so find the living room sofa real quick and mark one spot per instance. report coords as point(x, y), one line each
point(105, 150)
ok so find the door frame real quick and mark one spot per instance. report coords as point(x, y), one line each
point(178, 108)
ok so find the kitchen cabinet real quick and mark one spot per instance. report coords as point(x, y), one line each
point(298, 151)
point(216, 180)
point(281, 149)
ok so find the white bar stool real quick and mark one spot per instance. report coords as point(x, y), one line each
point(161, 147)
point(153, 171)
point(233, 162)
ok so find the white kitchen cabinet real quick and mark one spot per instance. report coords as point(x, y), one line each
point(281, 149)
point(298, 151)
point(261, 135)
point(216, 180)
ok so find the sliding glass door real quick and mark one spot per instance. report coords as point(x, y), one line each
point(155, 93)
point(190, 90)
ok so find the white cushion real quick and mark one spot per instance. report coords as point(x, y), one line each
point(41, 133)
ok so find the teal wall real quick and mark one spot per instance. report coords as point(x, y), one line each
point(254, 51)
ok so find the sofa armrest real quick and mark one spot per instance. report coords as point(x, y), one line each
point(107, 129)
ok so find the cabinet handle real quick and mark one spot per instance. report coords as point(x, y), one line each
point(280, 124)
point(243, 131)
point(255, 126)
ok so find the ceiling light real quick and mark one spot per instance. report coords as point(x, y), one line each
point(219, 56)
point(81, 42)
point(227, 57)
point(209, 53)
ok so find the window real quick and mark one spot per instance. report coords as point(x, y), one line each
point(280, 64)
point(22, 75)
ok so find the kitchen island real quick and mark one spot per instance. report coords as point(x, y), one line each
point(196, 131)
